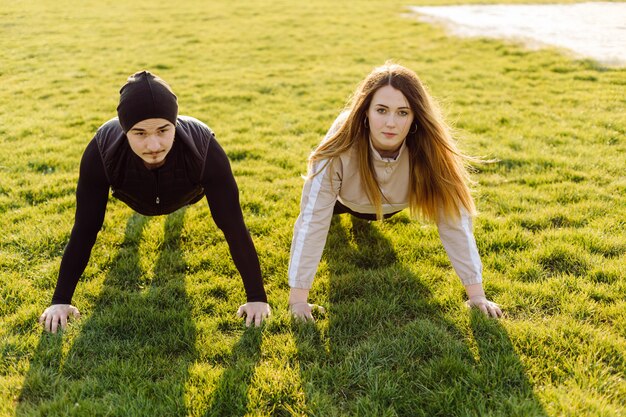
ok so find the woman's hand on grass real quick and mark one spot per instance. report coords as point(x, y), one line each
point(476, 298)
point(489, 308)
point(304, 310)
point(55, 314)
point(255, 311)
point(299, 307)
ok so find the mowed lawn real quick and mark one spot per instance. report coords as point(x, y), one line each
point(159, 335)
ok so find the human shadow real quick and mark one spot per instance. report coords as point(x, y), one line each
point(132, 353)
point(387, 348)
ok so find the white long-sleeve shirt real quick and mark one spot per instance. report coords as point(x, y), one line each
point(319, 195)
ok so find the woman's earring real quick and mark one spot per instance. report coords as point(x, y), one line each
point(365, 122)
point(414, 130)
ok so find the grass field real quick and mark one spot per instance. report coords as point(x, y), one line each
point(159, 335)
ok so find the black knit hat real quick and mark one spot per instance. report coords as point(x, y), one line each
point(146, 96)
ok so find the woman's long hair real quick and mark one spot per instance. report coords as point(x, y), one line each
point(439, 180)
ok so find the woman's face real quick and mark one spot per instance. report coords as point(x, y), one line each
point(151, 140)
point(390, 118)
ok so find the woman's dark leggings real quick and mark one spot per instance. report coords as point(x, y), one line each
point(340, 209)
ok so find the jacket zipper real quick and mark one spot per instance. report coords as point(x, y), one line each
point(158, 200)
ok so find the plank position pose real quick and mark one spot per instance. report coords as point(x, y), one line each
point(390, 149)
point(156, 162)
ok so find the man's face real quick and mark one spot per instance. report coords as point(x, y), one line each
point(151, 140)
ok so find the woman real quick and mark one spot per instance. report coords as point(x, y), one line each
point(389, 150)
point(156, 162)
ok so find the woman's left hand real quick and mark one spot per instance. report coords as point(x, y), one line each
point(489, 308)
point(256, 311)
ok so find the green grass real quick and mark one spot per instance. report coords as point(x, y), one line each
point(159, 334)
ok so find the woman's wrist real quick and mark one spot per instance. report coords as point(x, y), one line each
point(299, 306)
point(475, 290)
point(298, 296)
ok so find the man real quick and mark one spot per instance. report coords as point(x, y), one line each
point(156, 162)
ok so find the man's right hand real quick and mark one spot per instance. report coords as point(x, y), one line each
point(55, 314)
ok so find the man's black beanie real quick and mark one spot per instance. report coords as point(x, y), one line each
point(146, 96)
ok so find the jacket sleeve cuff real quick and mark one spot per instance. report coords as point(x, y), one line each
point(478, 279)
point(258, 297)
point(305, 285)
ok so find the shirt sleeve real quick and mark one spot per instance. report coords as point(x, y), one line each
point(458, 240)
point(222, 195)
point(319, 195)
point(92, 194)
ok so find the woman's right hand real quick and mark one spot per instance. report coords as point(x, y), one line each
point(55, 314)
point(304, 310)
point(299, 307)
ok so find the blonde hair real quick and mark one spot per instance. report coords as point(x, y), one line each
point(439, 178)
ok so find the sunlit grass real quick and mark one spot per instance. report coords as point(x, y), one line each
point(159, 335)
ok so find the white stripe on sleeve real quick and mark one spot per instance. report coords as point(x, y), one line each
point(305, 216)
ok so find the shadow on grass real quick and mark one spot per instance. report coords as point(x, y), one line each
point(230, 397)
point(133, 352)
point(389, 351)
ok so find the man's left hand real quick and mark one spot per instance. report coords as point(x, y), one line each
point(256, 312)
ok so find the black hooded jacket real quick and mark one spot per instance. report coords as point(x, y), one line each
point(196, 166)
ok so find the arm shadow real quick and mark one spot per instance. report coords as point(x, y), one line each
point(230, 395)
point(130, 355)
point(501, 372)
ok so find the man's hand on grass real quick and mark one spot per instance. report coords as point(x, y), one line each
point(55, 314)
point(255, 312)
